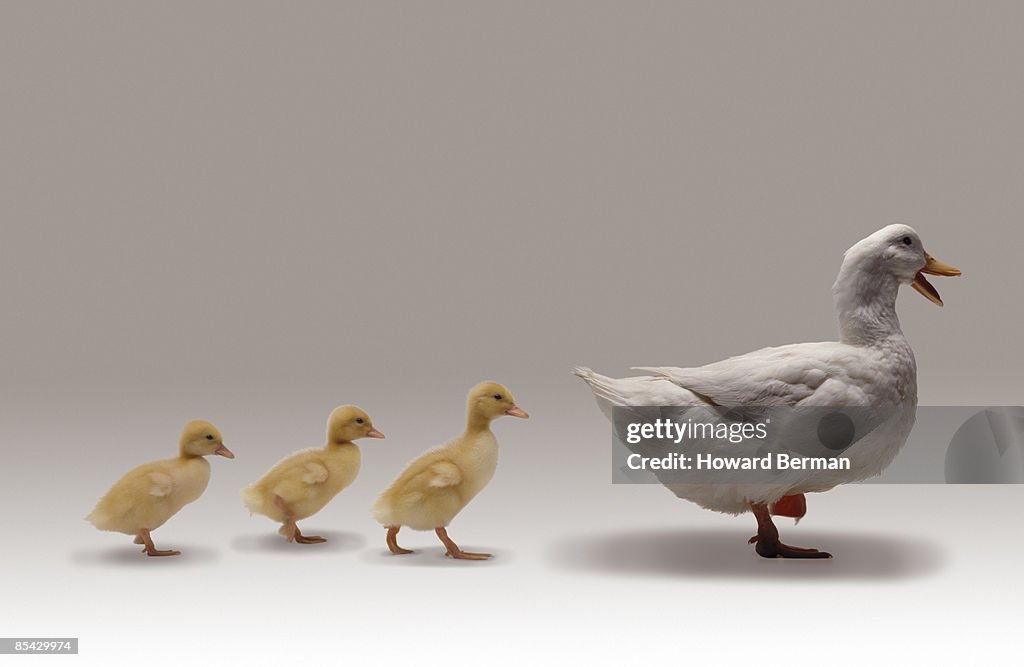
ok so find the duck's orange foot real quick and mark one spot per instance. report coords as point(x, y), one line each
point(452, 550)
point(467, 555)
point(144, 538)
point(393, 542)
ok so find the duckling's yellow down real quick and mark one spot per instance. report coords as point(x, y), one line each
point(146, 497)
point(308, 479)
point(437, 485)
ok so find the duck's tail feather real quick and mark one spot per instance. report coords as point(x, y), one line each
point(604, 388)
point(637, 391)
point(602, 385)
point(253, 499)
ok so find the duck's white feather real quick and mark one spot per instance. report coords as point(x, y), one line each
point(871, 366)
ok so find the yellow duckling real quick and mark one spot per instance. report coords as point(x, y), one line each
point(146, 497)
point(437, 485)
point(303, 483)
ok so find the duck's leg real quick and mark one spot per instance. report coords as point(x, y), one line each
point(290, 529)
point(393, 541)
point(767, 538)
point(453, 549)
point(150, 550)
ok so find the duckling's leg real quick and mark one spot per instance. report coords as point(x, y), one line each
point(393, 541)
point(144, 538)
point(453, 549)
point(767, 538)
point(290, 529)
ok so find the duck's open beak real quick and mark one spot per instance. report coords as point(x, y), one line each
point(374, 433)
point(224, 451)
point(935, 268)
point(516, 411)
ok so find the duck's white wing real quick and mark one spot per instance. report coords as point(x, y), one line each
point(314, 472)
point(801, 374)
point(445, 473)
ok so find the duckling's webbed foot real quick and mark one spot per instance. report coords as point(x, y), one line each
point(767, 543)
point(291, 532)
point(453, 549)
point(393, 542)
point(149, 549)
point(308, 539)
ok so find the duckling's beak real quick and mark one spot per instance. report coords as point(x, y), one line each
point(224, 451)
point(516, 411)
point(374, 433)
point(935, 268)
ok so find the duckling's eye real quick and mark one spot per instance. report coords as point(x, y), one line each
point(209, 437)
point(359, 420)
point(907, 240)
point(497, 397)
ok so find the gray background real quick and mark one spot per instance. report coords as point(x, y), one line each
point(251, 213)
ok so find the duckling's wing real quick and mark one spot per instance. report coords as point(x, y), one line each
point(445, 473)
point(774, 376)
point(160, 484)
point(314, 473)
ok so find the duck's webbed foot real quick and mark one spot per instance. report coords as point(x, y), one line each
point(290, 530)
point(149, 549)
point(453, 549)
point(393, 542)
point(308, 539)
point(773, 548)
point(767, 543)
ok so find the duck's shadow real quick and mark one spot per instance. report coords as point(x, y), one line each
point(271, 542)
point(723, 553)
point(132, 556)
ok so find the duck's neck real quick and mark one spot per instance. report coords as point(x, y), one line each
point(865, 303)
point(338, 444)
point(187, 455)
point(477, 423)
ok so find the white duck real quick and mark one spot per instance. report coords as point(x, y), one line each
point(872, 365)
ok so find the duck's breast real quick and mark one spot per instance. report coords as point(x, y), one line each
point(342, 470)
point(190, 481)
point(478, 460)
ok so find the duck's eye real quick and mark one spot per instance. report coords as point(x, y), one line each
point(907, 240)
point(209, 437)
point(497, 397)
point(359, 420)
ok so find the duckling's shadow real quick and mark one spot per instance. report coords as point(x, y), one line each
point(434, 557)
point(271, 542)
point(130, 556)
point(723, 553)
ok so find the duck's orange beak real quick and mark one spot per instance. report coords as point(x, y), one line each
point(516, 411)
point(935, 268)
point(374, 433)
point(224, 451)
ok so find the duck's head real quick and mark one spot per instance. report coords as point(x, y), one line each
point(895, 253)
point(201, 438)
point(492, 400)
point(348, 423)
